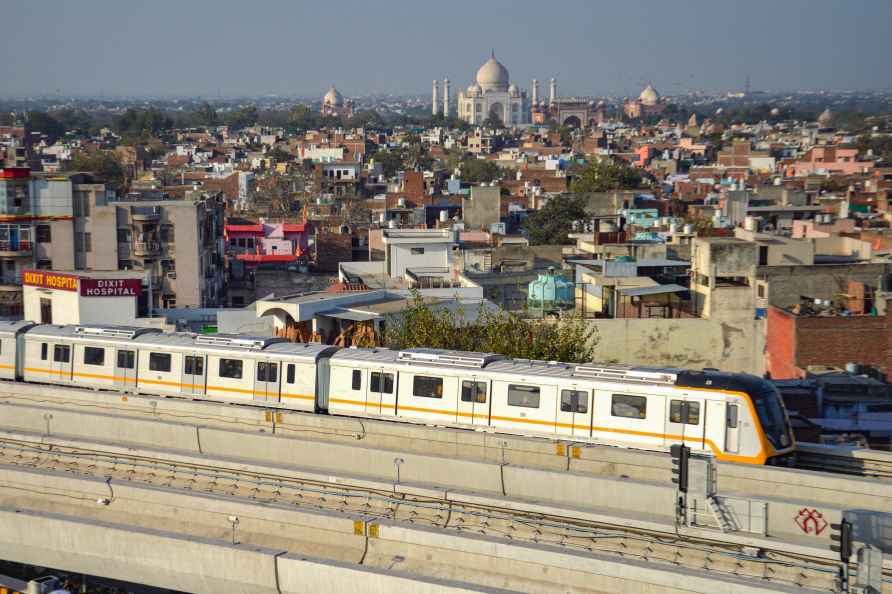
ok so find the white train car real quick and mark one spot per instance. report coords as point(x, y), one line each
point(11, 356)
point(95, 357)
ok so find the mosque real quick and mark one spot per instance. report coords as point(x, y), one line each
point(649, 103)
point(492, 95)
point(334, 104)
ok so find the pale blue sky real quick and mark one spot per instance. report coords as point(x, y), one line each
point(593, 47)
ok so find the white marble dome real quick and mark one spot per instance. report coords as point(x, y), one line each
point(474, 90)
point(493, 76)
point(649, 96)
point(333, 97)
point(513, 90)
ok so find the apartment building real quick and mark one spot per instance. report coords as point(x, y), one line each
point(69, 222)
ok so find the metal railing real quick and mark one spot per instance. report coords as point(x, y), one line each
point(15, 246)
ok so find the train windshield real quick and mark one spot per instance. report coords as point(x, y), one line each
point(771, 414)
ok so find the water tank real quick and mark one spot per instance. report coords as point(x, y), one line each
point(382, 217)
point(607, 227)
point(673, 227)
point(401, 203)
point(444, 216)
point(551, 292)
point(853, 368)
point(688, 229)
point(750, 224)
point(391, 224)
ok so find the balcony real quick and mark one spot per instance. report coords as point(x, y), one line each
point(14, 249)
point(146, 248)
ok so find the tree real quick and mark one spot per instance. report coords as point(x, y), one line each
point(493, 121)
point(391, 161)
point(71, 119)
point(138, 125)
point(479, 171)
point(303, 118)
point(368, 118)
point(102, 163)
point(207, 115)
point(423, 325)
point(46, 124)
point(566, 134)
point(550, 224)
point(244, 117)
point(603, 176)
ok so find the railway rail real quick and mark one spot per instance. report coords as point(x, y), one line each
point(393, 505)
point(840, 460)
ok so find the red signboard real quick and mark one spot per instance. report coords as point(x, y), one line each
point(49, 280)
point(111, 287)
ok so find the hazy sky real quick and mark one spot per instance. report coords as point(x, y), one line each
point(593, 47)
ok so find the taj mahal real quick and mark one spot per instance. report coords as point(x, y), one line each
point(492, 96)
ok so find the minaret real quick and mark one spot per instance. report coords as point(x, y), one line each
point(535, 92)
point(552, 91)
point(436, 98)
point(445, 97)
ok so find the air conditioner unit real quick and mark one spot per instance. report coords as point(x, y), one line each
point(172, 275)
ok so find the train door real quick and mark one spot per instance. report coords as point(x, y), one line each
point(266, 384)
point(125, 368)
point(574, 412)
point(732, 431)
point(61, 361)
point(381, 397)
point(323, 380)
point(473, 402)
point(685, 421)
point(192, 381)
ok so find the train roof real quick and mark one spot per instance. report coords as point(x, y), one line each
point(14, 328)
point(113, 333)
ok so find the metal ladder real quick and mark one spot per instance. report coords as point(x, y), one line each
point(720, 514)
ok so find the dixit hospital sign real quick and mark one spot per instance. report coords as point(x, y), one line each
point(89, 287)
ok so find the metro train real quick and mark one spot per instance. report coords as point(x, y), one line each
point(732, 416)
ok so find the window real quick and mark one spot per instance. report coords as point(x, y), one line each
point(61, 353)
point(159, 362)
point(43, 351)
point(126, 359)
point(88, 242)
point(417, 251)
point(684, 412)
point(574, 401)
point(731, 416)
point(357, 379)
point(385, 387)
point(473, 392)
point(427, 387)
point(94, 356)
point(231, 368)
point(193, 365)
point(167, 233)
point(525, 396)
point(123, 235)
point(290, 376)
point(631, 407)
point(267, 372)
point(44, 234)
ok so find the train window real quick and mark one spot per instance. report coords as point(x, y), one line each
point(159, 362)
point(193, 365)
point(126, 359)
point(630, 407)
point(43, 351)
point(731, 416)
point(94, 356)
point(574, 401)
point(377, 385)
point(231, 368)
point(290, 372)
point(61, 353)
point(681, 411)
point(357, 379)
point(267, 372)
point(473, 392)
point(525, 396)
point(427, 387)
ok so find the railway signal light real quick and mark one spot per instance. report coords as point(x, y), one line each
point(844, 535)
point(681, 455)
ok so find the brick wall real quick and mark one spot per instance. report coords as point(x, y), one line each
point(795, 342)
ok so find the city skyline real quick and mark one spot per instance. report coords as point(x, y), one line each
point(301, 49)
